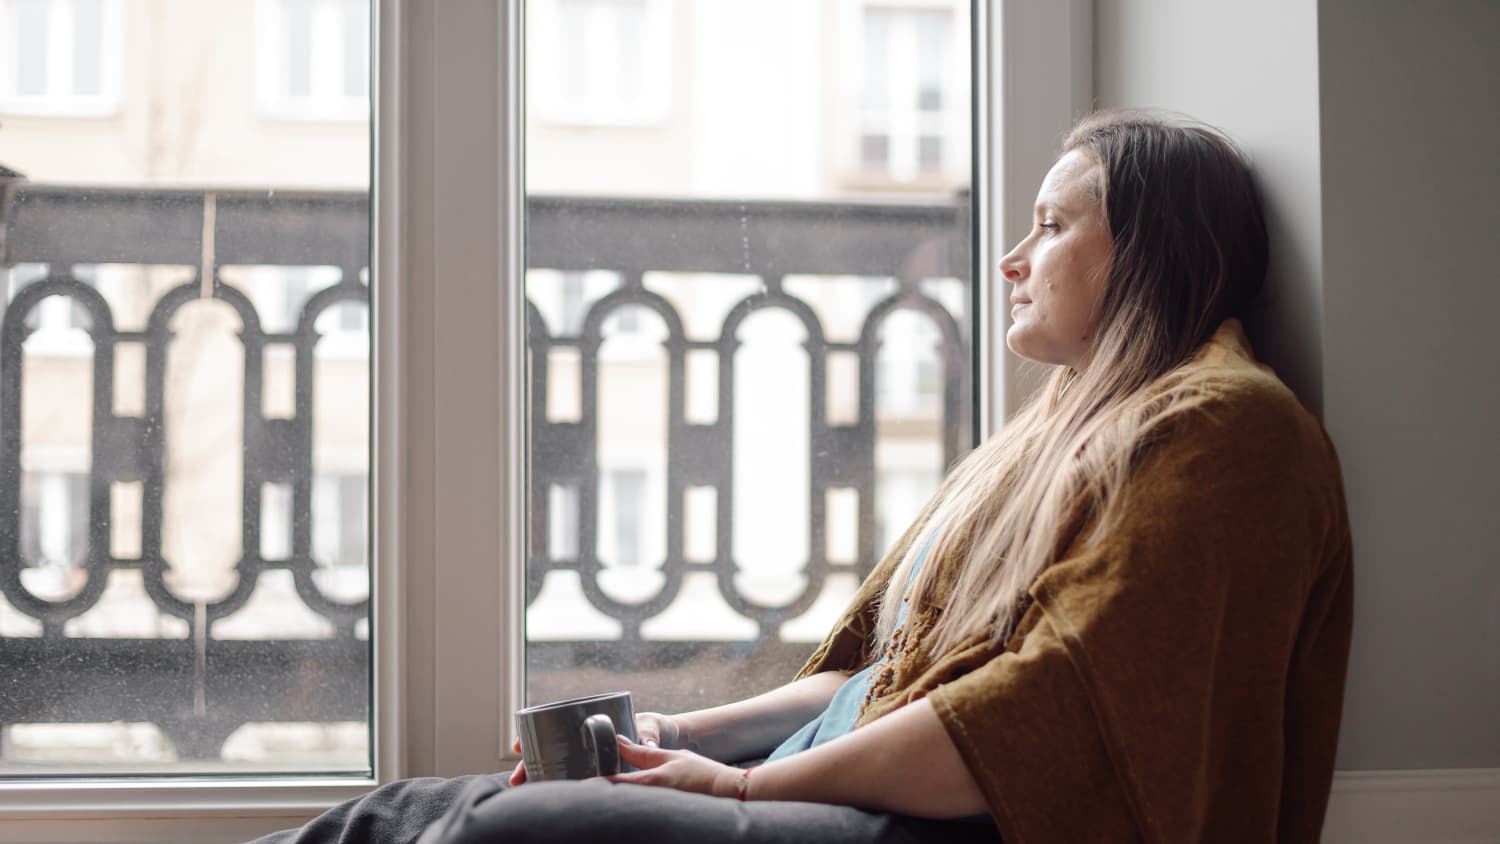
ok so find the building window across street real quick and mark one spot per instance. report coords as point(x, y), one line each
point(603, 62)
point(59, 57)
point(910, 121)
point(314, 58)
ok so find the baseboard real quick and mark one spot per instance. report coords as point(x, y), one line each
point(1414, 807)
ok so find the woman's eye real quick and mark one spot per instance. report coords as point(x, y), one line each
point(1048, 225)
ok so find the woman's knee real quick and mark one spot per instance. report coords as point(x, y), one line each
point(549, 813)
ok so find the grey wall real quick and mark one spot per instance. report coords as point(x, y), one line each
point(1249, 68)
point(1376, 136)
point(1411, 261)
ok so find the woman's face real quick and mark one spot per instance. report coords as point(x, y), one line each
point(1059, 270)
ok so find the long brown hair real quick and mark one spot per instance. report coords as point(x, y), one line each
point(1189, 251)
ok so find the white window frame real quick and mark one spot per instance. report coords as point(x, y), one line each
point(851, 120)
point(330, 104)
point(1038, 108)
point(553, 105)
point(60, 50)
point(449, 496)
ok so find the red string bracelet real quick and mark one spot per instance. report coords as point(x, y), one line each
point(742, 785)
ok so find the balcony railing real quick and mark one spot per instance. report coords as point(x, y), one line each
point(200, 687)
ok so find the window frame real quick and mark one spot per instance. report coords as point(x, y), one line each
point(104, 104)
point(271, 60)
point(448, 489)
point(654, 107)
point(852, 121)
point(1037, 111)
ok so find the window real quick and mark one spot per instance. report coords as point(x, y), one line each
point(449, 442)
point(604, 62)
point(623, 513)
point(911, 119)
point(185, 394)
point(706, 476)
point(314, 58)
point(54, 530)
point(59, 57)
point(911, 382)
point(341, 529)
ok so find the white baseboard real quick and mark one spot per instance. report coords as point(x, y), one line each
point(1414, 807)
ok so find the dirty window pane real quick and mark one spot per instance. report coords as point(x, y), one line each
point(184, 392)
point(749, 322)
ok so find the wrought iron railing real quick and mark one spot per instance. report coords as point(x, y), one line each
point(200, 688)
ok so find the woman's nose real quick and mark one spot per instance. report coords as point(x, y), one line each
point(1012, 266)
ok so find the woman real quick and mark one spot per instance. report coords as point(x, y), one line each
point(1126, 616)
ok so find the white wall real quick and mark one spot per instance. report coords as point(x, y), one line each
point(1411, 258)
point(1372, 124)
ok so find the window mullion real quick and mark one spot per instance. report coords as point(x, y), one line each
point(1037, 108)
point(461, 556)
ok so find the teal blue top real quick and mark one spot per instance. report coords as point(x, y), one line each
point(837, 720)
point(843, 709)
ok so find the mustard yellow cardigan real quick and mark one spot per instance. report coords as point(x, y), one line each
point(1179, 680)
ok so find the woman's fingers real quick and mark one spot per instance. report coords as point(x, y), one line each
point(643, 756)
point(647, 732)
point(656, 730)
point(679, 769)
point(518, 776)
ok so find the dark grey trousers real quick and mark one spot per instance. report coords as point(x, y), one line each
point(474, 809)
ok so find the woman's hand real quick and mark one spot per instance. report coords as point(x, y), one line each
point(683, 770)
point(654, 729)
point(517, 776)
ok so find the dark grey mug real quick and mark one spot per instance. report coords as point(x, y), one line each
point(575, 739)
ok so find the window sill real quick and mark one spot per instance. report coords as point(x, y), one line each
point(165, 810)
point(352, 112)
point(583, 118)
point(874, 181)
point(53, 109)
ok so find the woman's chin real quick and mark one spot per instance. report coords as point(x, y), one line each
point(1021, 342)
point(1018, 341)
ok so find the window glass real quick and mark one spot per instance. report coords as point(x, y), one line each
point(30, 22)
point(184, 393)
point(604, 62)
point(59, 57)
point(912, 92)
point(88, 46)
point(313, 58)
point(748, 367)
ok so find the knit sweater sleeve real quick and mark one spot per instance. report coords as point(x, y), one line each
point(1167, 668)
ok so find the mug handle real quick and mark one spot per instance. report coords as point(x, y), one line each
point(599, 739)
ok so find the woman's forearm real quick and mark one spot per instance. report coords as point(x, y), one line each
point(752, 728)
point(904, 762)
